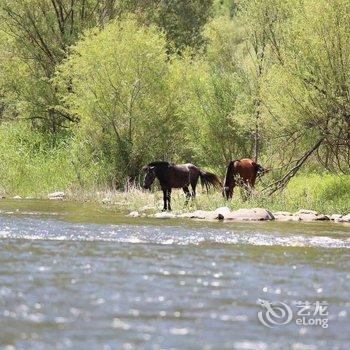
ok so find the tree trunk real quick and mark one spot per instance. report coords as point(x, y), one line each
point(282, 183)
point(256, 139)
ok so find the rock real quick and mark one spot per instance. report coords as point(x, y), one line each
point(322, 217)
point(335, 217)
point(17, 197)
point(56, 195)
point(306, 211)
point(284, 216)
point(287, 218)
point(306, 216)
point(312, 217)
point(345, 218)
point(282, 213)
point(134, 214)
point(220, 213)
point(185, 215)
point(199, 214)
point(164, 215)
point(222, 210)
point(255, 214)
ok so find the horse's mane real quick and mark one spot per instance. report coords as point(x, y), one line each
point(159, 163)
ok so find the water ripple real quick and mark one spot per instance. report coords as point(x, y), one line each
point(36, 229)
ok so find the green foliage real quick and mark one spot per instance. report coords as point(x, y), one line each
point(38, 35)
point(40, 32)
point(100, 88)
point(181, 21)
point(124, 96)
point(315, 61)
point(326, 193)
point(217, 105)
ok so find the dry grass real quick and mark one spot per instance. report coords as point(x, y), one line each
point(327, 194)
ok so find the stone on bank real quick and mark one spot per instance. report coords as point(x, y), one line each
point(254, 214)
point(249, 214)
point(56, 196)
point(164, 215)
point(345, 218)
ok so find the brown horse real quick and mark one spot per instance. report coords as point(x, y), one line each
point(241, 172)
point(177, 176)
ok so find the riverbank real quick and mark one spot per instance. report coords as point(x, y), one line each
point(310, 194)
point(28, 171)
point(245, 214)
point(306, 199)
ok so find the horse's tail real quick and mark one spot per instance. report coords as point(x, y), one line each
point(209, 179)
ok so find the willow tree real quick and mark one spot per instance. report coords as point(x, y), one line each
point(181, 21)
point(38, 36)
point(216, 104)
point(261, 23)
point(123, 95)
point(309, 88)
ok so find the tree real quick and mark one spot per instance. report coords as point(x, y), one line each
point(309, 88)
point(40, 33)
point(123, 95)
point(38, 36)
point(260, 22)
point(216, 106)
point(182, 21)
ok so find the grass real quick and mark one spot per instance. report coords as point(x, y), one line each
point(30, 167)
point(326, 194)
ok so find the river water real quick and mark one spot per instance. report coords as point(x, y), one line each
point(76, 276)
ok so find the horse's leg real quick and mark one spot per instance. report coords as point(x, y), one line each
point(249, 190)
point(164, 199)
point(194, 185)
point(188, 194)
point(246, 190)
point(227, 190)
point(230, 191)
point(253, 182)
point(169, 199)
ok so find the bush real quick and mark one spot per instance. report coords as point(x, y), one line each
point(124, 96)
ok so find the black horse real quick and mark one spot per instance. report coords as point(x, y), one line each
point(177, 176)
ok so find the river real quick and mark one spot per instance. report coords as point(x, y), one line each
point(78, 276)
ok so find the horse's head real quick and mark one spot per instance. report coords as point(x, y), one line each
point(150, 176)
point(260, 171)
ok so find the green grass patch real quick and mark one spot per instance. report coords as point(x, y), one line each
point(327, 194)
